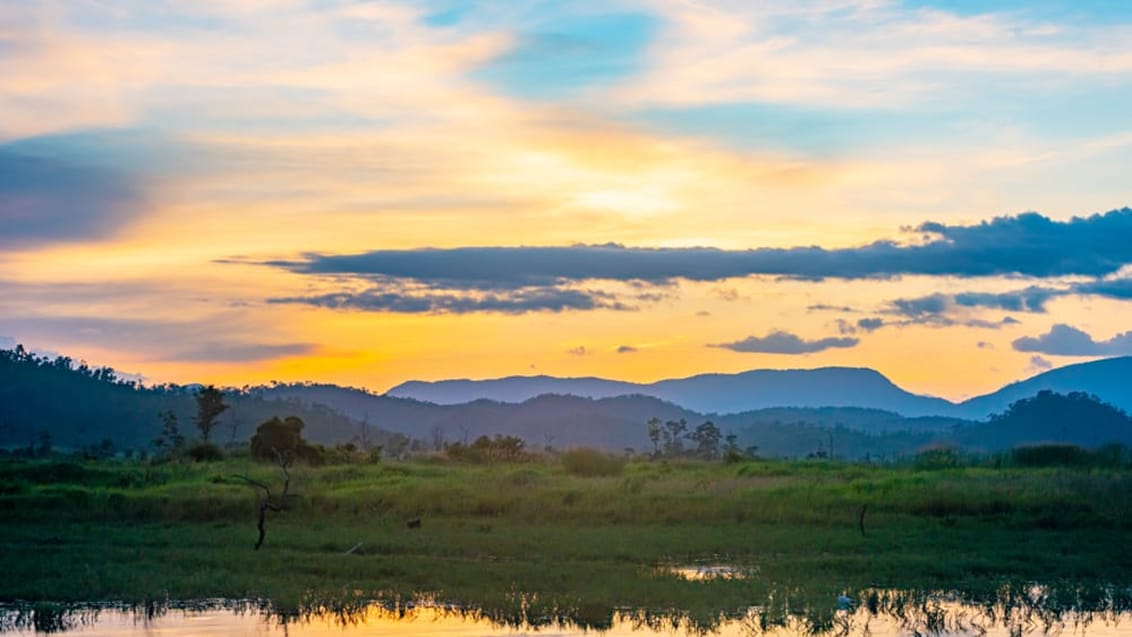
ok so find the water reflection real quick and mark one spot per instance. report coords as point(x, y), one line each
point(703, 572)
point(1007, 611)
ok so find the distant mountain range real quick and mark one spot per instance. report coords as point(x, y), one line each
point(853, 412)
point(619, 422)
point(763, 389)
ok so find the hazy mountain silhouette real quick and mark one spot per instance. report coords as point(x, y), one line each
point(704, 393)
point(81, 406)
point(1109, 379)
point(512, 389)
point(549, 419)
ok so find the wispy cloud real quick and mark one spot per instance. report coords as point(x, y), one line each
point(860, 53)
point(1037, 363)
point(48, 200)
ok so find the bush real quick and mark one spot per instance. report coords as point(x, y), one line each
point(939, 457)
point(1050, 455)
point(204, 452)
point(588, 462)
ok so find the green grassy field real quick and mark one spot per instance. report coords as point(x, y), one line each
point(535, 536)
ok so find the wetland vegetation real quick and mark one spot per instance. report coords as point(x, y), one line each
point(540, 537)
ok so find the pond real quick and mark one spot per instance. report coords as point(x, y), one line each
point(1035, 610)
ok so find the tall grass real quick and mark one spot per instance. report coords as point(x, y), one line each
point(588, 462)
point(585, 487)
point(83, 530)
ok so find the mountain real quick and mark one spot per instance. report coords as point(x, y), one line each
point(619, 422)
point(79, 407)
point(512, 389)
point(705, 393)
point(547, 419)
point(822, 387)
point(1109, 379)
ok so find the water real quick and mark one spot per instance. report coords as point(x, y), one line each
point(1033, 611)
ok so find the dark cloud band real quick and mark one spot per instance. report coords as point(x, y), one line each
point(1028, 244)
point(503, 302)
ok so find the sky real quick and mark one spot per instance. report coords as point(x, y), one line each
point(364, 193)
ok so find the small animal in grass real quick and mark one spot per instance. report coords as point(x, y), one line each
point(415, 523)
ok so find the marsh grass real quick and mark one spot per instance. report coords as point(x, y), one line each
point(132, 532)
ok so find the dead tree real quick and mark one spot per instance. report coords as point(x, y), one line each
point(268, 503)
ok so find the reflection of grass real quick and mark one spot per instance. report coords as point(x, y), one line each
point(132, 532)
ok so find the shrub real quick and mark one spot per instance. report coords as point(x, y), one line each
point(204, 452)
point(938, 457)
point(587, 462)
point(1050, 455)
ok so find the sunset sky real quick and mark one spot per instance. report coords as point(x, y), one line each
point(370, 192)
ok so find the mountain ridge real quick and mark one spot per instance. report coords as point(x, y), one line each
point(833, 386)
point(712, 393)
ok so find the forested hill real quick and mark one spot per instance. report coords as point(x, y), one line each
point(80, 406)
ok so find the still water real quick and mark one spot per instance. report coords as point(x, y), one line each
point(868, 613)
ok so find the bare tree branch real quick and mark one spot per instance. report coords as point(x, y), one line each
point(267, 504)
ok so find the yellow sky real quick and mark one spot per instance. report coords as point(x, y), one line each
point(162, 162)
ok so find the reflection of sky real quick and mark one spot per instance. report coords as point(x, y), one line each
point(957, 619)
point(154, 156)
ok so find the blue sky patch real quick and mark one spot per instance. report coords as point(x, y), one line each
point(561, 58)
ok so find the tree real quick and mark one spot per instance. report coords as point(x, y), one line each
point(437, 434)
point(170, 443)
point(731, 444)
point(280, 441)
point(44, 447)
point(674, 437)
point(210, 404)
point(1051, 416)
point(706, 438)
point(277, 440)
point(654, 434)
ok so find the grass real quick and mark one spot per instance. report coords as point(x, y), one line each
point(549, 539)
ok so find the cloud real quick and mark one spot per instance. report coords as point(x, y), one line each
point(932, 304)
point(781, 342)
point(870, 324)
point(1039, 363)
point(1031, 299)
point(520, 301)
point(1028, 244)
point(860, 53)
point(47, 200)
point(939, 310)
point(820, 307)
point(626, 349)
point(1112, 288)
point(577, 351)
point(984, 345)
point(1065, 340)
point(217, 337)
